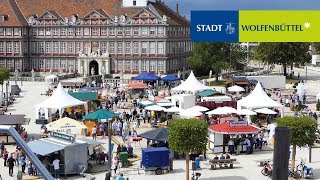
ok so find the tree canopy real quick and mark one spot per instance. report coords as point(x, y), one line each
point(4, 75)
point(284, 53)
point(216, 56)
point(188, 136)
point(303, 132)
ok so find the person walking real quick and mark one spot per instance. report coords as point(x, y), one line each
point(17, 156)
point(11, 161)
point(248, 145)
point(231, 146)
point(5, 156)
point(94, 133)
point(2, 148)
point(101, 129)
point(115, 164)
point(23, 162)
point(56, 167)
point(108, 175)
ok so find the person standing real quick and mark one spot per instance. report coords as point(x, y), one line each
point(56, 168)
point(17, 156)
point(101, 129)
point(115, 163)
point(248, 145)
point(11, 161)
point(23, 162)
point(108, 175)
point(231, 146)
point(144, 115)
point(5, 156)
point(149, 116)
point(2, 148)
point(94, 133)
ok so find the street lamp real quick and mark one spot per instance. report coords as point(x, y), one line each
point(7, 97)
point(16, 76)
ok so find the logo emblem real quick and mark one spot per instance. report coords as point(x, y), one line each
point(230, 29)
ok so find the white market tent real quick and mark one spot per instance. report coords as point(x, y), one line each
point(67, 125)
point(190, 114)
point(198, 108)
point(60, 99)
point(155, 108)
point(246, 112)
point(258, 98)
point(235, 88)
point(265, 111)
point(222, 111)
point(191, 84)
point(217, 98)
point(174, 109)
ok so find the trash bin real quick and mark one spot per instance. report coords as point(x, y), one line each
point(197, 160)
point(124, 158)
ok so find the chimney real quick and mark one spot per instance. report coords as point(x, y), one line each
point(177, 9)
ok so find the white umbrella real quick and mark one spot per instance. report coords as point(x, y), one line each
point(246, 112)
point(198, 108)
point(173, 109)
point(222, 111)
point(155, 108)
point(187, 113)
point(265, 111)
point(235, 88)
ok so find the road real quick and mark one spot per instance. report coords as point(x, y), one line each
point(311, 73)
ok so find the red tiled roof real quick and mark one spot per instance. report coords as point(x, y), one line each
point(136, 85)
point(11, 9)
point(224, 128)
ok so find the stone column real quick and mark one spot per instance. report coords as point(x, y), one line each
point(131, 66)
point(156, 66)
point(123, 66)
point(107, 66)
point(140, 67)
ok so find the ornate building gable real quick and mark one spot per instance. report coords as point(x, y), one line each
point(97, 17)
point(145, 16)
point(47, 18)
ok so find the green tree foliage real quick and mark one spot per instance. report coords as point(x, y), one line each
point(216, 56)
point(303, 131)
point(284, 53)
point(188, 136)
point(4, 75)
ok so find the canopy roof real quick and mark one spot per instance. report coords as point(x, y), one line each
point(258, 98)
point(191, 84)
point(100, 114)
point(146, 76)
point(52, 76)
point(159, 134)
point(226, 128)
point(170, 77)
point(136, 85)
point(65, 123)
point(265, 111)
point(60, 99)
point(173, 109)
point(222, 111)
point(188, 113)
point(85, 96)
point(246, 112)
point(155, 108)
point(146, 103)
point(42, 147)
point(198, 108)
point(236, 88)
point(209, 92)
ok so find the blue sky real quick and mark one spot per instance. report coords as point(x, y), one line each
point(185, 6)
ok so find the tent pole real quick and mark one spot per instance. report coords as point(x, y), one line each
point(110, 150)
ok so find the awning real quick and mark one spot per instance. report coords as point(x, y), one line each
point(43, 148)
point(84, 96)
point(90, 141)
point(237, 128)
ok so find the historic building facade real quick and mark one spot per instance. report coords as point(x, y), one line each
point(93, 36)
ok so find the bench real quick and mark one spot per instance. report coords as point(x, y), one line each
point(214, 162)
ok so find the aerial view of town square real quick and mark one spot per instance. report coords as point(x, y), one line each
point(159, 89)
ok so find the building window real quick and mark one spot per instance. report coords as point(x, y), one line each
point(33, 31)
point(40, 31)
point(70, 47)
point(24, 31)
point(94, 31)
point(135, 30)
point(48, 64)
point(34, 64)
point(128, 65)
point(144, 31)
point(152, 48)
point(144, 47)
point(119, 30)
point(128, 48)
point(63, 64)
point(8, 31)
point(1, 47)
point(112, 31)
point(152, 31)
point(120, 65)
point(71, 64)
point(16, 47)
point(160, 30)
point(136, 65)
point(161, 65)
point(127, 31)
point(48, 31)
point(103, 31)
point(63, 31)
point(136, 48)
point(55, 31)
point(1, 31)
point(111, 47)
point(16, 31)
point(3, 64)
point(85, 47)
point(34, 47)
point(70, 31)
point(48, 47)
point(55, 47)
point(78, 47)
point(63, 48)
point(152, 65)
point(103, 47)
point(55, 64)
point(134, 2)
point(41, 47)
point(143, 65)
point(78, 31)
point(119, 48)
point(86, 31)
point(41, 63)
point(160, 47)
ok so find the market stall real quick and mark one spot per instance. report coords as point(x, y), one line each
point(220, 134)
point(136, 88)
point(67, 125)
point(190, 85)
point(15, 121)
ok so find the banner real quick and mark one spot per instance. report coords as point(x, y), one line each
point(255, 26)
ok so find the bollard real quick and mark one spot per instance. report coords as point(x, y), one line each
point(281, 153)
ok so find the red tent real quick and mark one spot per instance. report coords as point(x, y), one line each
point(236, 127)
point(136, 85)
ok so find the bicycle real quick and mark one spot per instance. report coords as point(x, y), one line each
point(302, 165)
point(297, 174)
point(267, 169)
point(195, 176)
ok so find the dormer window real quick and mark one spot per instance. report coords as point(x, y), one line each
point(134, 2)
point(4, 18)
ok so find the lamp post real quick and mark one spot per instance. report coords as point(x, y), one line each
point(109, 142)
point(7, 97)
point(15, 76)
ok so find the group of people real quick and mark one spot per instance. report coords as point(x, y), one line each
point(251, 143)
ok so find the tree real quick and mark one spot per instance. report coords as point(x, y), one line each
point(188, 136)
point(4, 75)
point(284, 53)
point(216, 56)
point(303, 132)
